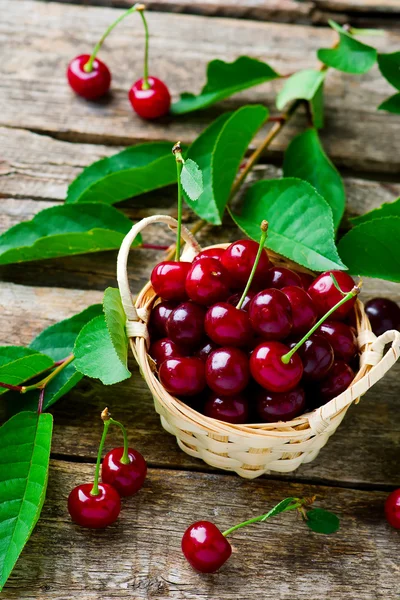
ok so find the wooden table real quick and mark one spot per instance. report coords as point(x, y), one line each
point(47, 137)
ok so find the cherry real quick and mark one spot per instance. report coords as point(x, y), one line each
point(227, 371)
point(270, 372)
point(158, 319)
point(150, 102)
point(227, 325)
point(126, 478)
point(238, 260)
point(168, 280)
point(210, 253)
point(205, 350)
point(185, 325)
point(207, 281)
point(272, 406)
point(183, 376)
point(89, 84)
point(163, 349)
point(341, 337)
point(234, 299)
point(205, 547)
point(232, 409)
point(392, 509)
point(270, 314)
point(304, 313)
point(384, 314)
point(94, 511)
point(306, 279)
point(325, 295)
point(316, 354)
point(280, 277)
point(337, 381)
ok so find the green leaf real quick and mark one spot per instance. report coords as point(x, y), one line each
point(115, 319)
point(95, 355)
point(133, 171)
point(388, 209)
point(65, 230)
point(389, 66)
point(278, 508)
point(372, 249)
point(24, 461)
point(19, 364)
point(322, 521)
point(192, 179)
point(223, 80)
point(305, 158)
point(218, 151)
point(304, 85)
point(391, 104)
point(350, 56)
point(300, 222)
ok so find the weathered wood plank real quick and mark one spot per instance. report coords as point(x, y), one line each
point(34, 87)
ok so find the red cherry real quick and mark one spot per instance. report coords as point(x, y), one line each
point(204, 547)
point(232, 409)
point(207, 281)
point(95, 512)
point(238, 259)
point(270, 372)
point(89, 85)
point(234, 300)
point(210, 253)
point(272, 407)
point(228, 326)
point(158, 319)
point(183, 376)
point(317, 357)
point(168, 280)
point(392, 509)
point(205, 350)
point(185, 325)
point(270, 314)
point(163, 349)
point(150, 103)
point(280, 277)
point(227, 371)
point(337, 381)
point(306, 279)
point(304, 313)
point(384, 314)
point(127, 479)
point(325, 295)
point(341, 337)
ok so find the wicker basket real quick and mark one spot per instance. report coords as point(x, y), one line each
point(254, 449)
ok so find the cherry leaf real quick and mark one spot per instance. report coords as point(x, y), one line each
point(322, 521)
point(279, 508)
point(391, 104)
point(388, 209)
point(389, 66)
point(305, 85)
point(115, 319)
point(19, 364)
point(192, 179)
point(350, 56)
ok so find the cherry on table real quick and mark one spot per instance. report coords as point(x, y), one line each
point(272, 406)
point(228, 326)
point(95, 512)
point(325, 295)
point(163, 349)
point(185, 325)
point(227, 371)
point(238, 259)
point(207, 282)
point(317, 357)
point(280, 277)
point(392, 509)
point(158, 319)
point(270, 372)
point(90, 85)
point(341, 337)
point(168, 279)
point(204, 547)
point(152, 101)
point(271, 315)
point(384, 314)
point(232, 409)
point(337, 381)
point(304, 313)
point(183, 376)
point(210, 253)
point(128, 478)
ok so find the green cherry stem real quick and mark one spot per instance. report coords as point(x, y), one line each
point(145, 86)
point(264, 231)
point(177, 152)
point(42, 384)
point(105, 416)
point(125, 457)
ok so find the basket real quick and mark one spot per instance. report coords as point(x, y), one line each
point(250, 450)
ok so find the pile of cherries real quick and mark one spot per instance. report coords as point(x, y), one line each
point(225, 353)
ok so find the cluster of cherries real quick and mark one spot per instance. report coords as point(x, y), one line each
point(90, 77)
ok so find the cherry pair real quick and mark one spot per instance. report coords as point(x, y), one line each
point(123, 471)
point(90, 78)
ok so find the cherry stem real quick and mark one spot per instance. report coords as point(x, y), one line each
point(61, 364)
point(106, 424)
point(177, 152)
point(145, 84)
point(264, 231)
point(125, 457)
point(41, 400)
point(355, 31)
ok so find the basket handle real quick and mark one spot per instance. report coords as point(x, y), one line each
point(122, 261)
point(320, 419)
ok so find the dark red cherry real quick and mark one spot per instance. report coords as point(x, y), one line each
point(270, 372)
point(232, 409)
point(185, 325)
point(272, 406)
point(304, 313)
point(94, 512)
point(317, 357)
point(270, 314)
point(325, 295)
point(392, 509)
point(238, 259)
point(150, 103)
point(204, 547)
point(210, 253)
point(158, 319)
point(168, 280)
point(280, 277)
point(341, 337)
point(228, 326)
point(227, 371)
point(207, 282)
point(90, 85)
point(163, 349)
point(337, 381)
point(384, 314)
point(234, 300)
point(205, 349)
point(127, 479)
point(306, 279)
point(183, 376)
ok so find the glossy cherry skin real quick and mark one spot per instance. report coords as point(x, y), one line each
point(306, 279)
point(207, 282)
point(204, 547)
point(126, 479)
point(337, 381)
point(227, 371)
point(270, 372)
point(151, 103)
point(325, 295)
point(232, 409)
point(317, 357)
point(238, 259)
point(205, 349)
point(158, 319)
point(272, 406)
point(88, 85)
point(228, 326)
point(185, 325)
point(280, 277)
point(210, 253)
point(384, 314)
point(392, 509)
point(341, 337)
point(163, 349)
point(304, 313)
point(95, 512)
point(168, 280)
point(270, 315)
point(183, 376)
point(235, 298)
